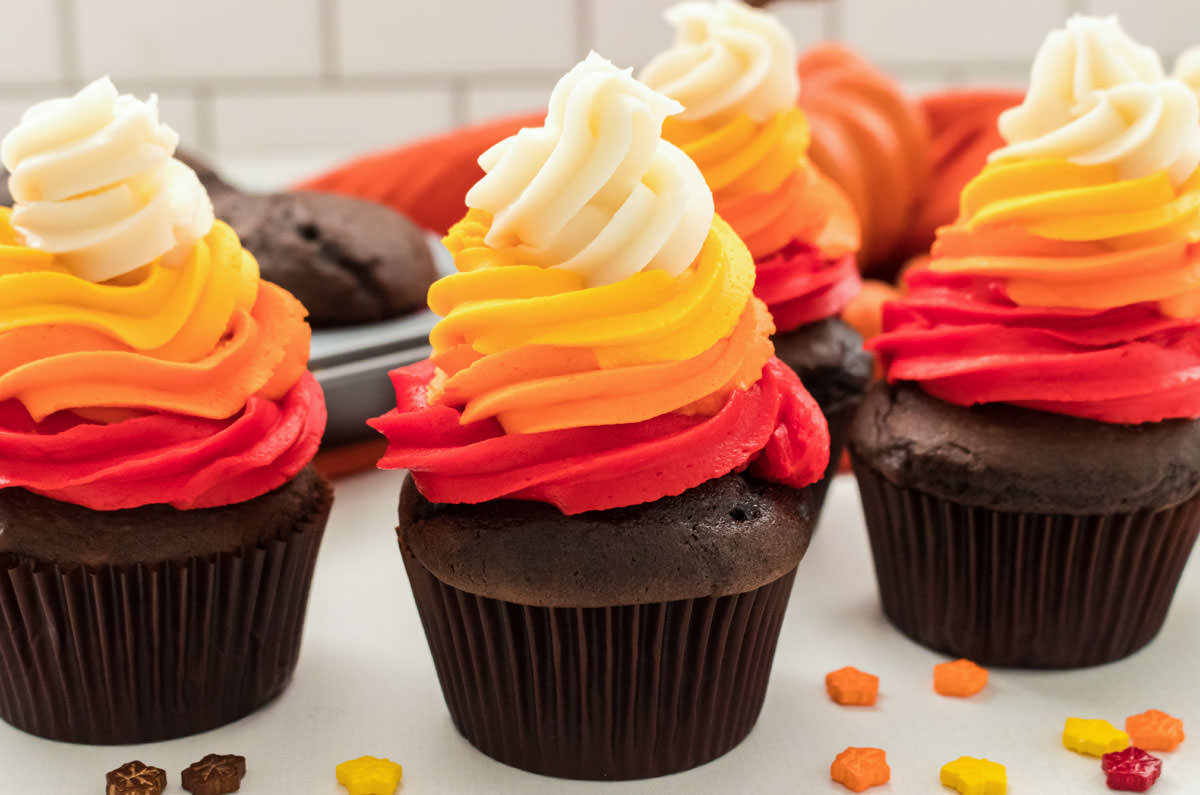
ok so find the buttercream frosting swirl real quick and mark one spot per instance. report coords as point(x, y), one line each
point(727, 59)
point(564, 385)
point(1097, 97)
point(138, 370)
point(1070, 281)
point(732, 68)
point(94, 182)
point(596, 190)
point(1187, 69)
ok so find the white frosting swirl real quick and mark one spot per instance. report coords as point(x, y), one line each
point(727, 59)
point(596, 190)
point(1187, 69)
point(93, 180)
point(1096, 96)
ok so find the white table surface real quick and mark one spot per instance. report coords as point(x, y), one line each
point(366, 685)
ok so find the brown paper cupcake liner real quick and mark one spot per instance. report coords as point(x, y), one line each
point(1024, 589)
point(119, 655)
point(623, 692)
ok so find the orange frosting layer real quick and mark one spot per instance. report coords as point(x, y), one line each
point(538, 351)
point(1065, 235)
point(807, 207)
point(765, 186)
point(199, 340)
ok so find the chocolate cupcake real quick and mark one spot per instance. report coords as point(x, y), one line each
point(608, 498)
point(998, 533)
point(213, 182)
point(350, 261)
point(159, 520)
point(828, 356)
point(744, 131)
point(610, 605)
point(1031, 482)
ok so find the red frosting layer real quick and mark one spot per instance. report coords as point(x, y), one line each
point(800, 285)
point(187, 462)
point(775, 428)
point(964, 341)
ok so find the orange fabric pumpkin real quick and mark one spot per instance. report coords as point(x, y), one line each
point(963, 127)
point(426, 179)
point(873, 141)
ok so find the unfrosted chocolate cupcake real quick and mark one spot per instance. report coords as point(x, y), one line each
point(828, 356)
point(208, 176)
point(349, 261)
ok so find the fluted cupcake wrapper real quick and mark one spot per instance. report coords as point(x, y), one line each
point(1024, 589)
point(118, 655)
point(622, 692)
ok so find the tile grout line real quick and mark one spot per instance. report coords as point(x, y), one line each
point(585, 36)
point(206, 122)
point(459, 111)
point(429, 80)
point(329, 33)
point(68, 42)
point(955, 74)
point(835, 22)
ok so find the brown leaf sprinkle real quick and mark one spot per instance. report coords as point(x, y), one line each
point(215, 774)
point(136, 778)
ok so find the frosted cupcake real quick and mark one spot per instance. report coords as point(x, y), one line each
point(733, 70)
point(873, 140)
point(1187, 69)
point(1031, 474)
point(607, 497)
point(159, 516)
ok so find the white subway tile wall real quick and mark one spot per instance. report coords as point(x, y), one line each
point(952, 32)
point(30, 39)
point(1170, 25)
point(460, 37)
point(487, 100)
point(273, 90)
point(196, 41)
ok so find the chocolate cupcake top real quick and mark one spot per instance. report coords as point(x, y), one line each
point(600, 345)
point(733, 70)
point(830, 360)
point(37, 528)
point(728, 535)
point(348, 260)
point(1067, 283)
point(142, 360)
point(1007, 458)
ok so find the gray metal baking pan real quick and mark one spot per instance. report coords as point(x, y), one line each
point(352, 364)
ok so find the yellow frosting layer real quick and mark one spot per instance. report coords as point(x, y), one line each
point(539, 350)
point(1072, 235)
point(741, 157)
point(190, 339)
point(647, 317)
